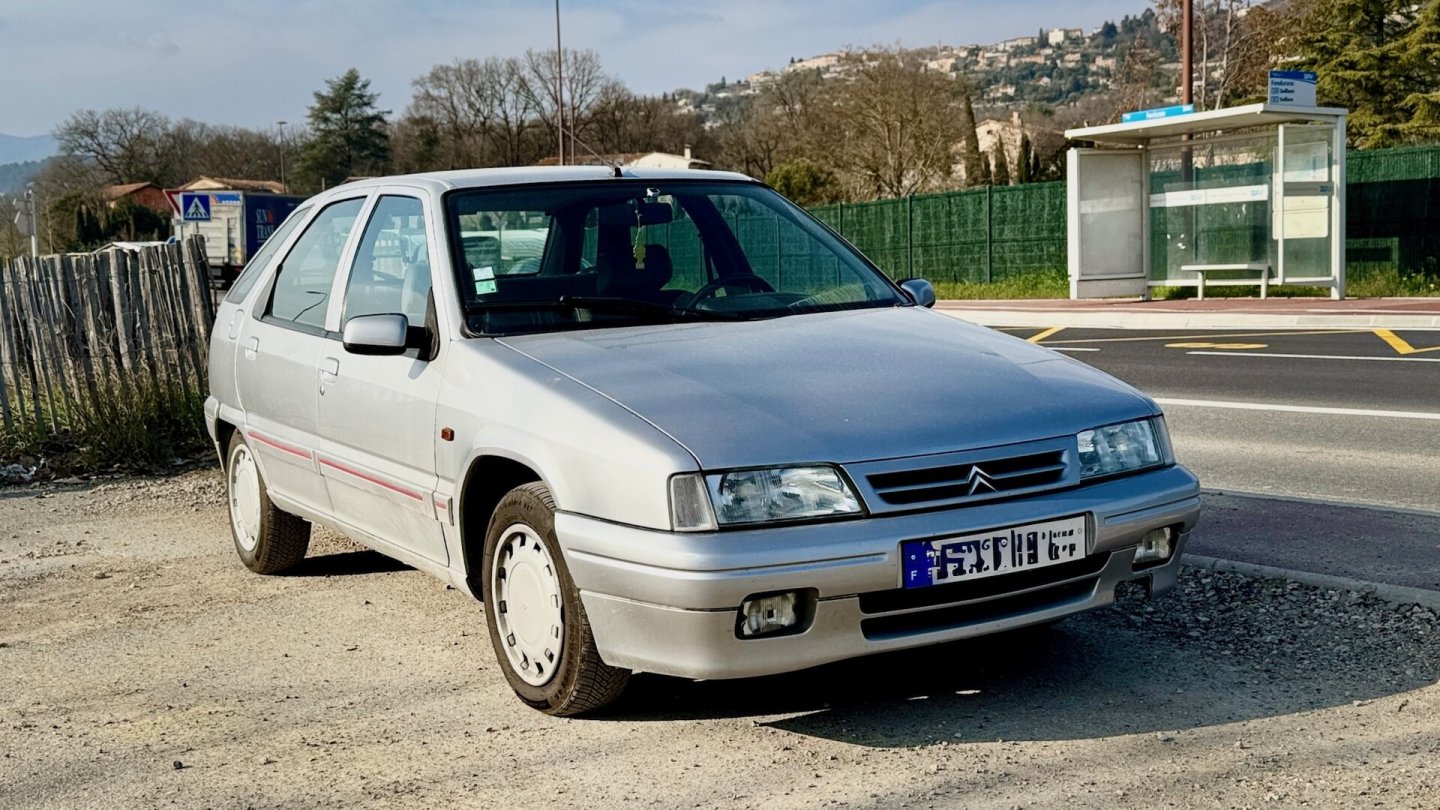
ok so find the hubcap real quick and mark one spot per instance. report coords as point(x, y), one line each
point(526, 595)
point(245, 498)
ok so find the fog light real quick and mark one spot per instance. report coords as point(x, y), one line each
point(1154, 547)
point(765, 615)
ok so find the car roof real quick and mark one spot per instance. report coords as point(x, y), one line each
point(440, 182)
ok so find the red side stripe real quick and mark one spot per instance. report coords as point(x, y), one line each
point(294, 451)
point(380, 482)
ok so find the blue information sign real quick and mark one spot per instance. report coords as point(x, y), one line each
point(1162, 112)
point(195, 207)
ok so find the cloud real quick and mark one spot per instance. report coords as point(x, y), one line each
point(155, 42)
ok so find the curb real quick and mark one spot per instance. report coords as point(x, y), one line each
point(1017, 318)
point(1395, 594)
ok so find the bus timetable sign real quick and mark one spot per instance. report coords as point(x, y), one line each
point(1292, 88)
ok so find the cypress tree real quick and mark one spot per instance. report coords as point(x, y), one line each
point(1002, 165)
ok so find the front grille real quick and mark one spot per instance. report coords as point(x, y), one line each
point(911, 598)
point(946, 618)
point(970, 480)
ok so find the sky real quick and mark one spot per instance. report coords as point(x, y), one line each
point(256, 62)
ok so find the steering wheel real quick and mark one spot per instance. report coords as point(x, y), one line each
point(747, 281)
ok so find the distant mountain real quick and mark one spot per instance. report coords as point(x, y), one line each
point(14, 176)
point(14, 149)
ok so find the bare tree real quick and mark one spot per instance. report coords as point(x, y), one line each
point(1220, 34)
point(196, 148)
point(127, 145)
point(480, 111)
point(1135, 86)
point(895, 125)
point(584, 79)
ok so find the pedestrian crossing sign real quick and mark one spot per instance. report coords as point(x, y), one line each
point(195, 207)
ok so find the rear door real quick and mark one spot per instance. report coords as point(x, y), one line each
point(377, 414)
point(276, 363)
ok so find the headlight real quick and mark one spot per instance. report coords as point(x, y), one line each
point(1125, 447)
point(759, 496)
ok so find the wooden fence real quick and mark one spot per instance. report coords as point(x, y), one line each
point(77, 330)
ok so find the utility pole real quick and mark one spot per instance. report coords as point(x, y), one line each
point(1187, 51)
point(560, 88)
point(30, 213)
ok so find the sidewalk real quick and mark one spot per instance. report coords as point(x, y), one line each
point(1212, 313)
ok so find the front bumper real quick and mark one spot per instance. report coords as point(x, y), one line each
point(668, 602)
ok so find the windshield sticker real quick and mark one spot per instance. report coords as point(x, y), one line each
point(485, 287)
point(483, 273)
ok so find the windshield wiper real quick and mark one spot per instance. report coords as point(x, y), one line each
point(624, 306)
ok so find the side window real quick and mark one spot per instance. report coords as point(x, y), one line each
point(302, 288)
point(391, 272)
point(258, 262)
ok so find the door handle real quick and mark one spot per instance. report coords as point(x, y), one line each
point(251, 347)
point(329, 372)
point(235, 321)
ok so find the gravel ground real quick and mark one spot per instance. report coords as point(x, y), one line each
point(142, 666)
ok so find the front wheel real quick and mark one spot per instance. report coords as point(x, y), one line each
point(268, 539)
point(537, 624)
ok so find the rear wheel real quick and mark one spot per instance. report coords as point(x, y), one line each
point(267, 539)
point(537, 624)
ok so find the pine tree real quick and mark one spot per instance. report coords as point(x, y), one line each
point(1417, 57)
point(1354, 46)
point(348, 134)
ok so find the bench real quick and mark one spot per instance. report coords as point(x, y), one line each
point(1202, 269)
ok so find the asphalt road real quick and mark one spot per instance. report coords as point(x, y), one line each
point(1351, 416)
point(1305, 420)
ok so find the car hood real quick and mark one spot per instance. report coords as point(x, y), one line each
point(838, 387)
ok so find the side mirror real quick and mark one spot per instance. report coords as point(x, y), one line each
point(376, 334)
point(920, 291)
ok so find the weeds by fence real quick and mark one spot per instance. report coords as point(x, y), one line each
point(104, 355)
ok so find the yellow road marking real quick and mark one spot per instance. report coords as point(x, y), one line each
point(1212, 336)
point(1400, 345)
point(1047, 333)
point(1203, 345)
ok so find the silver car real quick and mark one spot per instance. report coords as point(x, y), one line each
point(665, 421)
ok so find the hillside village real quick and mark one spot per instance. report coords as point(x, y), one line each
point(1056, 67)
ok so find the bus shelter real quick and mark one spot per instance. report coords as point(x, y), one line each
point(1242, 196)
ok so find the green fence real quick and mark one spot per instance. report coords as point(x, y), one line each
point(975, 235)
point(989, 234)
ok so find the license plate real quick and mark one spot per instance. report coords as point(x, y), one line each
point(987, 554)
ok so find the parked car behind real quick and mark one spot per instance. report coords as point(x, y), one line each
point(678, 427)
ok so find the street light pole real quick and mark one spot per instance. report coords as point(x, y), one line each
point(559, 88)
point(281, 126)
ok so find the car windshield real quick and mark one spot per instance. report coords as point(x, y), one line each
point(621, 252)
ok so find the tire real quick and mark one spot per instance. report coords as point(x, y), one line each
point(267, 539)
point(532, 606)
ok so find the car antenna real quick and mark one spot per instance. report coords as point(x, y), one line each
point(615, 167)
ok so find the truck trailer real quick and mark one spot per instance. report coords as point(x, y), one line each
point(233, 223)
